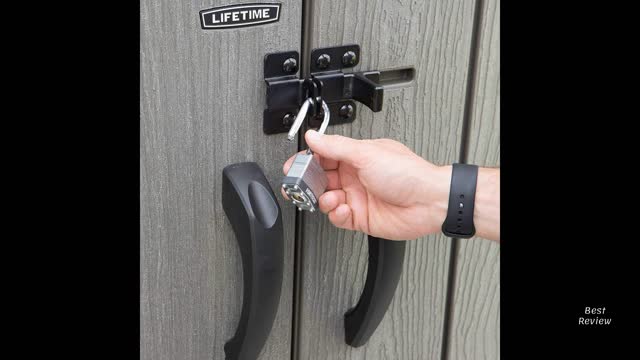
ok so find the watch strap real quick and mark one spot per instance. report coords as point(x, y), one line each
point(462, 194)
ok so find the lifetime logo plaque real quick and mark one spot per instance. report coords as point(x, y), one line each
point(234, 16)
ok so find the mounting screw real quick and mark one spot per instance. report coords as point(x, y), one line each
point(346, 111)
point(290, 66)
point(287, 120)
point(323, 61)
point(349, 58)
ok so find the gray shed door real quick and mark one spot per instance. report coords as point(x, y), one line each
point(202, 96)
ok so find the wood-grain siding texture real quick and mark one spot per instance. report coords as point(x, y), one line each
point(434, 37)
point(201, 101)
point(475, 323)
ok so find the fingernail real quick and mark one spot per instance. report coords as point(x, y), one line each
point(313, 135)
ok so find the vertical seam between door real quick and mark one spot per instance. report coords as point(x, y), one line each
point(472, 76)
point(305, 52)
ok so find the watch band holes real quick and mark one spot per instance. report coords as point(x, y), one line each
point(460, 212)
point(461, 196)
point(461, 205)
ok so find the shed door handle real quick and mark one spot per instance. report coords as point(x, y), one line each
point(256, 219)
point(386, 258)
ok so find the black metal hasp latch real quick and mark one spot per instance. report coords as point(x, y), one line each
point(312, 89)
point(286, 92)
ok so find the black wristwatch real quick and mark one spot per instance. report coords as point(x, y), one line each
point(462, 196)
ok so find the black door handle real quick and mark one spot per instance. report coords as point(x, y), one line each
point(386, 258)
point(256, 219)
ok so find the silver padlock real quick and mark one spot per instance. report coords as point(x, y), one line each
point(306, 180)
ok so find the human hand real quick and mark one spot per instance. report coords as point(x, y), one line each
point(379, 187)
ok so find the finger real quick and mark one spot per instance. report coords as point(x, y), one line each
point(333, 180)
point(329, 164)
point(331, 200)
point(284, 194)
point(336, 147)
point(341, 217)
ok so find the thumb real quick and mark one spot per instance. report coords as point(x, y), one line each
point(335, 147)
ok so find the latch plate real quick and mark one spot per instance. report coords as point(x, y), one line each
point(285, 92)
point(338, 56)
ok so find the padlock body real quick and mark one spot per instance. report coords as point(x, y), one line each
point(305, 182)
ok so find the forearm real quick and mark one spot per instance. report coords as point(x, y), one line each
point(486, 214)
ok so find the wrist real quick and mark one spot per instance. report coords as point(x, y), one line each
point(435, 195)
point(435, 198)
point(487, 204)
